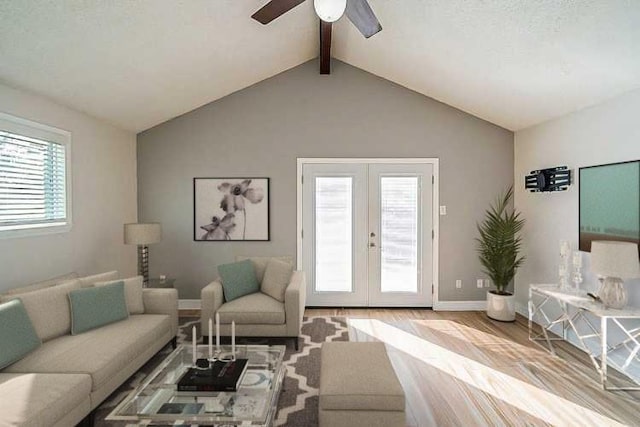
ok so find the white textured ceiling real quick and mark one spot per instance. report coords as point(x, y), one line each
point(138, 63)
point(514, 63)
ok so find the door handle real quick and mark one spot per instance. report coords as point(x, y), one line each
point(372, 245)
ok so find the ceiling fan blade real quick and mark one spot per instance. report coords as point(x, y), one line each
point(325, 47)
point(274, 9)
point(360, 14)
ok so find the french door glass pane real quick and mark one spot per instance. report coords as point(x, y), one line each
point(399, 234)
point(334, 234)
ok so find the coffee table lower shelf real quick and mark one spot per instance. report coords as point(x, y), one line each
point(157, 402)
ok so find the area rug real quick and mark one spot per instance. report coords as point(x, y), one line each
point(298, 404)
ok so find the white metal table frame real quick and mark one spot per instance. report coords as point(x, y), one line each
point(574, 308)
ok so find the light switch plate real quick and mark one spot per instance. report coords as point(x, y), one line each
point(458, 284)
point(479, 283)
point(443, 210)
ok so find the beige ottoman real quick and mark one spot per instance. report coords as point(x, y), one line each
point(358, 386)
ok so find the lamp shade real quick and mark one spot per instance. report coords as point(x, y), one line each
point(330, 10)
point(615, 259)
point(142, 234)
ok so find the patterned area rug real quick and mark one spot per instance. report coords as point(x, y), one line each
point(298, 405)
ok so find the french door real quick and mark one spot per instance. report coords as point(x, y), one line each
point(367, 233)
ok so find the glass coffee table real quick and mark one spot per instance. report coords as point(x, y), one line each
point(157, 400)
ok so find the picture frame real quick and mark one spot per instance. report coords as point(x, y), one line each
point(609, 203)
point(231, 209)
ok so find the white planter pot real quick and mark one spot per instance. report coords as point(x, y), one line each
point(501, 307)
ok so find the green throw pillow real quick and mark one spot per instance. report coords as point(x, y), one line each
point(95, 307)
point(17, 335)
point(238, 279)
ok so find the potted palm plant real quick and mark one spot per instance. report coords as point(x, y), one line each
point(499, 251)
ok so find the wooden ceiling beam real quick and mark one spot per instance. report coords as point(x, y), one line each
point(325, 47)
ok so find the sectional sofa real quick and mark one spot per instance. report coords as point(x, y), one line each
point(62, 381)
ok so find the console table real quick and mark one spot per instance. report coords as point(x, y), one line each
point(550, 307)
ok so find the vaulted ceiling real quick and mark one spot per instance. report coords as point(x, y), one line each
point(136, 64)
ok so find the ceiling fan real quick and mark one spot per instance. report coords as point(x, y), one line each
point(358, 11)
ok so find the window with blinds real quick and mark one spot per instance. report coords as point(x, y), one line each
point(33, 181)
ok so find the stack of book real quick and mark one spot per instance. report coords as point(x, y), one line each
point(220, 376)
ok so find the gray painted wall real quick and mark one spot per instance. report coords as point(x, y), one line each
point(261, 130)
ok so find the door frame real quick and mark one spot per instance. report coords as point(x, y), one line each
point(434, 161)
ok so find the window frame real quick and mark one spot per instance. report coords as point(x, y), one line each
point(44, 132)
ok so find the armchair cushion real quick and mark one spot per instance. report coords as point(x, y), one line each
point(238, 279)
point(260, 263)
point(276, 278)
point(253, 309)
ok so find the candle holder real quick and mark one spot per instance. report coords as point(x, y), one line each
point(214, 356)
point(226, 357)
point(202, 364)
point(218, 354)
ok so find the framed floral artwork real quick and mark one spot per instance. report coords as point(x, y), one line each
point(228, 209)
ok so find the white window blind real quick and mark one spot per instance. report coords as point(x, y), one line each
point(33, 182)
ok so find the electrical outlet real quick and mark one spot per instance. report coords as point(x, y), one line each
point(479, 283)
point(487, 283)
point(458, 284)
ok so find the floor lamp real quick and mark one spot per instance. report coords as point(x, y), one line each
point(143, 235)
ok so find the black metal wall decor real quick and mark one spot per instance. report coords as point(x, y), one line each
point(551, 179)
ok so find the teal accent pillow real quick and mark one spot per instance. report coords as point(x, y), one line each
point(17, 335)
point(238, 279)
point(95, 307)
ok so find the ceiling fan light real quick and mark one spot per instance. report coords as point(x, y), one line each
point(330, 10)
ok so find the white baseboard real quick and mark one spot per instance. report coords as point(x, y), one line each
point(460, 306)
point(189, 304)
point(195, 304)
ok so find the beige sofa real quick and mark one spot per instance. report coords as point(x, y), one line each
point(62, 381)
point(257, 314)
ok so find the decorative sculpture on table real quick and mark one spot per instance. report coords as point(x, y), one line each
point(563, 269)
point(577, 270)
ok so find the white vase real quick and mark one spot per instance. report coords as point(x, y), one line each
point(501, 307)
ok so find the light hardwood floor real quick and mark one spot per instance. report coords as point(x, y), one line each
point(463, 369)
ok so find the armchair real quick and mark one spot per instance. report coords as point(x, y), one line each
point(257, 314)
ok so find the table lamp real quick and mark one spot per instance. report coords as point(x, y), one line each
point(614, 262)
point(143, 235)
